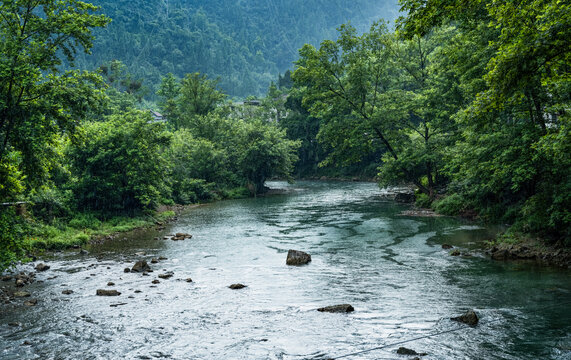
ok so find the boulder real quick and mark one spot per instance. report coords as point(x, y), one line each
point(237, 286)
point(469, 318)
point(102, 292)
point(447, 246)
point(343, 308)
point(155, 281)
point(110, 283)
point(67, 292)
point(296, 257)
point(141, 266)
point(405, 351)
point(42, 267)
point(154, 260)
point(455, 252)
point(189, 280)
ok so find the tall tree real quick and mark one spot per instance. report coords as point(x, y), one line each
point(376, 91)
point(36, 100)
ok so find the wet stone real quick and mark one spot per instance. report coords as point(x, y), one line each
point(19, 294)
point(102, 292)
point(42, 267)
point(455, 252)
point(126, 270)
point(161, 258)
point(141, 266)
point(405, 351)
point(237, 286)
point(166, 275)
point(447, 246)
point(154, 261)
point(188, 280)
point(296, 257)
point(156, 281)
point(67, 292)
point(469, 318)
point(343, 308)
point(31, 302)
point(110, 283)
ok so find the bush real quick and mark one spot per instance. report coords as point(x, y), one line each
point(453, 204)
point(423, 200)
point(11, 233)
point(84, 221)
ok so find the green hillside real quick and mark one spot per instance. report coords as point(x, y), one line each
point(245, 43)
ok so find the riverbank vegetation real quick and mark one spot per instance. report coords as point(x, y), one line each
point(467, 101)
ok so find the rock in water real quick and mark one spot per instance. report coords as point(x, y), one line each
point(237, 286)
point(296, 257)
point(469, 318)
point(166, 275)
point(405, 351)
point(141, 266)
point(343, 308)
point(42, 267)
point(31, 302)
point(447, 246)
point(20, 294)
point(102, 292)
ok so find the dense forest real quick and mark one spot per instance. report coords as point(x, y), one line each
point(244, 43)
point(466, 101)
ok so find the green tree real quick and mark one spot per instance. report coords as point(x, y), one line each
point(119, 166)
point(510, 164)
point(265, 152)
point(37, 101)
point(376, 92)
point(198, 96)
point(168, 92)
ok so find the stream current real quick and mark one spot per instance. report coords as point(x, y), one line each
point(391, 268)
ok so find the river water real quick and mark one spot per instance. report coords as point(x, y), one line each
point(391, 268)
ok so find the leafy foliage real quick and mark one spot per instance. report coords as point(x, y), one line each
point(245, 44)
point(118, 167)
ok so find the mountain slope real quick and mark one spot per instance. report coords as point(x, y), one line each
point(244, 42)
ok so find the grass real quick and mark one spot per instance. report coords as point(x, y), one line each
point(81, 229)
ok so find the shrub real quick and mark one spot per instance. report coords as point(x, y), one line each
point(453, 204)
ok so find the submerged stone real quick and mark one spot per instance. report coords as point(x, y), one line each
point(21, 294)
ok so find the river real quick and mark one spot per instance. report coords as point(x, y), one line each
point(391, 268)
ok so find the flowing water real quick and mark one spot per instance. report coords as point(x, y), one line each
point(390, 267)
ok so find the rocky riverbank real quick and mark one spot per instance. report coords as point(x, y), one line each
point(531, 250)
